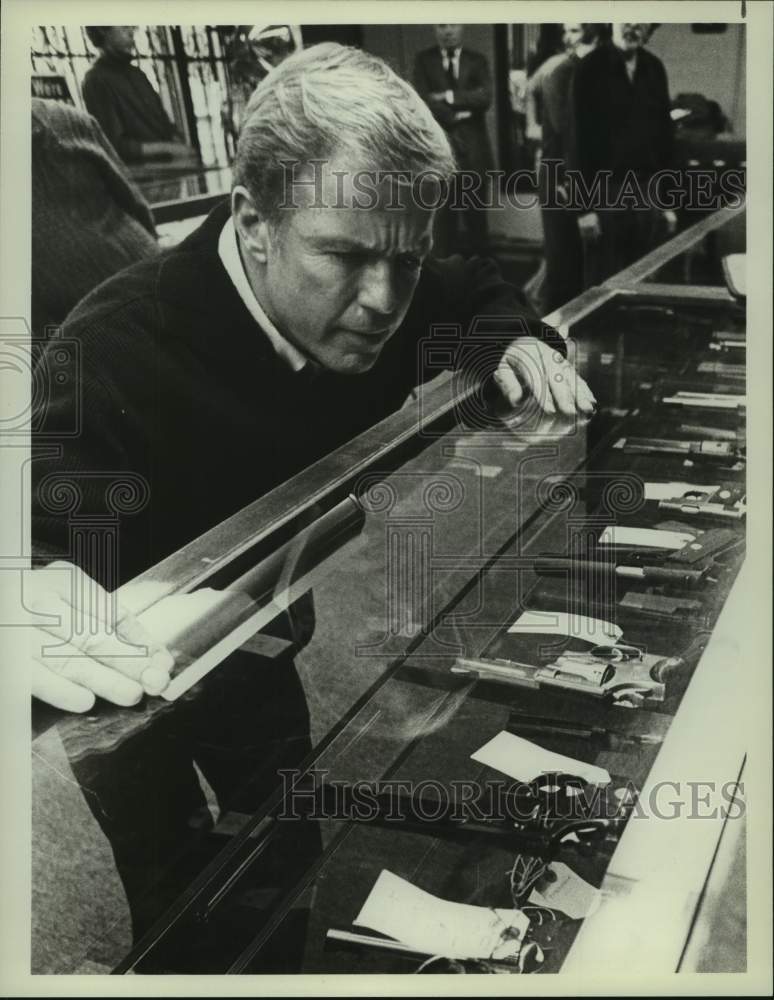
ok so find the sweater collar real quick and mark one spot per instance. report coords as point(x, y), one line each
point(230, 258)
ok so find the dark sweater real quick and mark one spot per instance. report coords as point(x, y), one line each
point(88, 220)
point(179, 386)
point(121, 98)
point(621, 124)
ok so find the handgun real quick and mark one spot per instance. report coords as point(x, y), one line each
point(608, 739)
point(724, 503)
point(623, 673)
point(689, 566)
point(723, 451)
point(535, 816)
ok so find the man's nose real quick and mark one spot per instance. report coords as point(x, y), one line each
point(378, 290)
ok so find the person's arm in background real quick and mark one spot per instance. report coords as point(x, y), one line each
point(102, 105)
point(666, 140)
point(478, 95)
point(433, 98)
point(534, 129)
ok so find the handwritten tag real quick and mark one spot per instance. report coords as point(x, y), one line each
point(566, 892)
point(436, 926)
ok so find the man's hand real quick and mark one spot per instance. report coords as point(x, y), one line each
point(590, 226)
point(529, 365)
point(671, 221)
point(79, 652)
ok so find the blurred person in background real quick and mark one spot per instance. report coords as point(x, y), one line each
point(454, 82)
point(120, 96)
point(253, 51)
point(88, 220)
point(551, 88)
point(623, 126)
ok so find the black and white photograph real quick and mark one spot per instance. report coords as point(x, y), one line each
point(387, 549)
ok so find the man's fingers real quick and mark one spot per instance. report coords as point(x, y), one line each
point(561, 389)
point(128, 650)
point(587, 399)
point(508, 383)
point(552, 380)
point(75, 587)
point(571, 392)
point(71, 664)
point(58, 691)
point(85, 608)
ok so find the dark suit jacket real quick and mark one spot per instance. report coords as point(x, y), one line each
point(473, 93)
point(621, 124)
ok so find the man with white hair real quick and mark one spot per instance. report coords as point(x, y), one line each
point(285, 325)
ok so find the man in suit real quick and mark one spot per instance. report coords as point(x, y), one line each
point(623, 128)
point(455, 83)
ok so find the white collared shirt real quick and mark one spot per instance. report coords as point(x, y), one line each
point(455, 61)
point(228, 251)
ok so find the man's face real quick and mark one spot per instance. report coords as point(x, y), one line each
point(338, 281)
point(630, 37)
point(120, 41)
point(449, 36)
point(572, 36)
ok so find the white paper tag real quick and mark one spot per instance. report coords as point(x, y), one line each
point(567, 892)
point(594, 630)
point(525, 761)
point(619, 534)
point(436, 926)
point(668, 491)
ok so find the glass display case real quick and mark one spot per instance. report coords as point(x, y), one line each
point(483, 586)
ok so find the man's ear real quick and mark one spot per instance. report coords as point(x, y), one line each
point(252, 228)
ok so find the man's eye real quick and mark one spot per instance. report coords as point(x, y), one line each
point(410, 261)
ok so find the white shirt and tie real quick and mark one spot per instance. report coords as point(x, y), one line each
point(451, 61)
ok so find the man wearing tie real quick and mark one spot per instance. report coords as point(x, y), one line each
point(455, 83)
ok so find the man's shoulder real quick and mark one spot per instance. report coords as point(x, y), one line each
point(651, 60)
point(56, 123)
point(605, 54)
point(554, 69)
point(99, 70)
point(550, 65)
point(168, 295)
point(600, 66)
point(473, 56)
point(118, 302)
